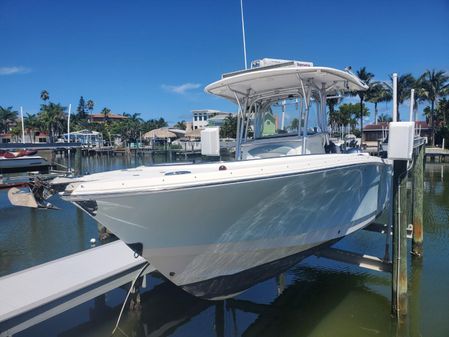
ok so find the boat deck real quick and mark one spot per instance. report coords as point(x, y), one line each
point(38, 293)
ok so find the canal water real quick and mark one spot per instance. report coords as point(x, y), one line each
point(317, 297)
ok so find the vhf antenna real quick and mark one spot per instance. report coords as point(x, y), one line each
point(243, 33)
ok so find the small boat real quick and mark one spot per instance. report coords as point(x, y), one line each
point(215, 229)
point(22, 161)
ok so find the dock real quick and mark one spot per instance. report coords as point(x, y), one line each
point(41, 292)
point(39, 146)
point(437, 154)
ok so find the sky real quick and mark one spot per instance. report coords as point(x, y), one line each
point(156, 57)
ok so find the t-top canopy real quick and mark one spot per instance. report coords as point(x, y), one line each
point(284, 81)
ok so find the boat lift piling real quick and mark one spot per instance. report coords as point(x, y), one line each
point(400, 224)
point(404, 214)
point(417, 200)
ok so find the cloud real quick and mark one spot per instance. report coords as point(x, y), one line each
point(181, 89)
point(13, 70)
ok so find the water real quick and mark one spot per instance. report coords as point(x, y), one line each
point(321, 297)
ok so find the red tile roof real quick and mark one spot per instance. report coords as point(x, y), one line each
point(110, 116)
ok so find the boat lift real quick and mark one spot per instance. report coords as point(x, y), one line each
point(36, 294)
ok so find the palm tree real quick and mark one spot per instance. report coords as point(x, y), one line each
point(229, 127)
point(332, 102)
point(181, 125)
point(420, 96)
point(294, 125)
point(443, 110)
point(44, 95)
point(7, 116)
point(347, 114)
point(378, 93)
point(105, 112)
point(366, 77)
point(384, 118)
point(406, 83)
point(90, 106)
point(31, 123)
point(434, 84)
point(404, 86)
point(53, 119)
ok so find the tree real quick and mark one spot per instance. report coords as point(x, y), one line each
point(434, 84)
point(348, 113)
point(406, 83)
point(384, 118)
point(366, 77)
point(378, 93)
point(7, 116)
point(152, 124)
point(181, 125)
point(331, 103)
point(52, 118)
point(90, 106)
point(130, 128)
point(44, 95)
point(443, 110)
point(419, 95)
point(16, 131)
point(81, 109)
point(229, 127)
point(294, 124)
point(105, 112)
point(31, 123)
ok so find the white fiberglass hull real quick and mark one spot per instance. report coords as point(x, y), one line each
point(26, 163)
point(199, 234)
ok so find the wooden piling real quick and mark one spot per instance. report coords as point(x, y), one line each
point(78, 162)
point(418, 196)
point(399, 289)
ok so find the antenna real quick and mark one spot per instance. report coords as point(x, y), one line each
point(23, 126)
point(395, 97)
point(243, 33)
point(68, 123)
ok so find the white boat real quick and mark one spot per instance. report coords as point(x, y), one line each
point(23, 164)
point(215, 229)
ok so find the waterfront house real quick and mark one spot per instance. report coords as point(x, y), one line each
point(201, 118)
point(101, 118)
point(375, 132)
point(30, 137)
point(86, 138)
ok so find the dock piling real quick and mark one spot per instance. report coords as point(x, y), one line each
point(399, 275)
point(78, 162)
point(417, 200)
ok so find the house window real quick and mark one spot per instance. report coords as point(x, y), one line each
point(205, 118)
point(42, 140)
point(196, 127)
point(195, 118)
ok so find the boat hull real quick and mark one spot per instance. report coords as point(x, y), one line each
point(23, 164)
point(197, 235)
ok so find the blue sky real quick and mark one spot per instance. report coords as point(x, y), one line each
point(155, 57)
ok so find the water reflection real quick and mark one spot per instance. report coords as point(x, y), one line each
point(315, 302)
